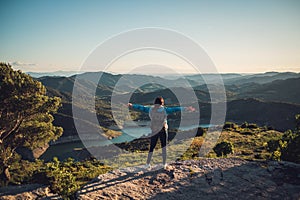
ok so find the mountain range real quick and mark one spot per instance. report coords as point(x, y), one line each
point(270, 99)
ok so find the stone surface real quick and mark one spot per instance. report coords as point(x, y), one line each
point(228, 178)
point(203, 179)
point(28, 192)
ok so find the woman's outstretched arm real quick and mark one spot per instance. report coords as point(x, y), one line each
point(170, 110)
point(139, 107)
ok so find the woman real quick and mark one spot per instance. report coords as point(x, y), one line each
point(159, 126)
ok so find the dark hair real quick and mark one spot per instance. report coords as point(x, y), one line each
point(159, 100)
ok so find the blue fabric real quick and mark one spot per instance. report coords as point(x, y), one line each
point(146, 109)
point(142, 108)
point(174, 109)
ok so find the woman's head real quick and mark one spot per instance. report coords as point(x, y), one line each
point(159, 101)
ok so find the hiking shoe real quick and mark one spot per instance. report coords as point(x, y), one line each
point(165, 166)
point(147, 166)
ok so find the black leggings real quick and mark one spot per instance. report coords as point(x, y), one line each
point(162, 135)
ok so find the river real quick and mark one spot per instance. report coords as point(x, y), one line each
point(65, 150)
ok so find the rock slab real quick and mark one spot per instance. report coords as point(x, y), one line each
point(228, 178)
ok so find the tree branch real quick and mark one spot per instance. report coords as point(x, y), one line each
point(14, 128)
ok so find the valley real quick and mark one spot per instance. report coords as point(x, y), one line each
point(269, 99)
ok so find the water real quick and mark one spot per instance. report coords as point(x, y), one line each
point(66, 150)
point(129, 134)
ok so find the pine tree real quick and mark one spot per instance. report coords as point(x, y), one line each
point(25, 115)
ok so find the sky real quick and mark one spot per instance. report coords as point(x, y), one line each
point(239, 36)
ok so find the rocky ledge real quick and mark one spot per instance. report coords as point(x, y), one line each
point(228, 178)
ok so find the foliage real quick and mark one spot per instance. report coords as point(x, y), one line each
point(288, 146)
point(223, 148)
point(229, 125)
point(62, 181)
point(193, 151)
point(25, 115)
point(64, 178)
point(244, 125)
point(67, 177)
point(24, 172)
point(247, 131)
point(200, 131)
point(252, 126)
point(297, 119)
point(245, 128)
point(276, 146)
point(292, 150)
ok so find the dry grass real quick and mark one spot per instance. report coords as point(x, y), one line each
point(248, 146)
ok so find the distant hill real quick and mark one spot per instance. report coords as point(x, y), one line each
point(236, 83)
point(200, 79)
point(63, 87)
point(273, 103)
point(127, 82)
point(280, 116)
point(240, 79)
point(107, 83)
point(262, 78)
point(279, 90)
point(56, 73)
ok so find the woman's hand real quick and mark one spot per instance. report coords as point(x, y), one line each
point(190, 108)
point(129, 105)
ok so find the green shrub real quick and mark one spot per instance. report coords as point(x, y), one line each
point(223, 148)
point(229, 125)
point(244, 125)
point(286, 148)
point(24, 172)
point(67, 177)
point(297, 122)
point(273, 145)
point(64, 178)
point(276, 155)
point(247, 131)
point(62, 181)
point(200, 131)
point(252, 126)
point(292, 150)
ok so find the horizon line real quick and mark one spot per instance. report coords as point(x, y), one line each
point(141, 73)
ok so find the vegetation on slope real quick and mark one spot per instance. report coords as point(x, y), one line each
point(26, 121)
point(25, 116)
